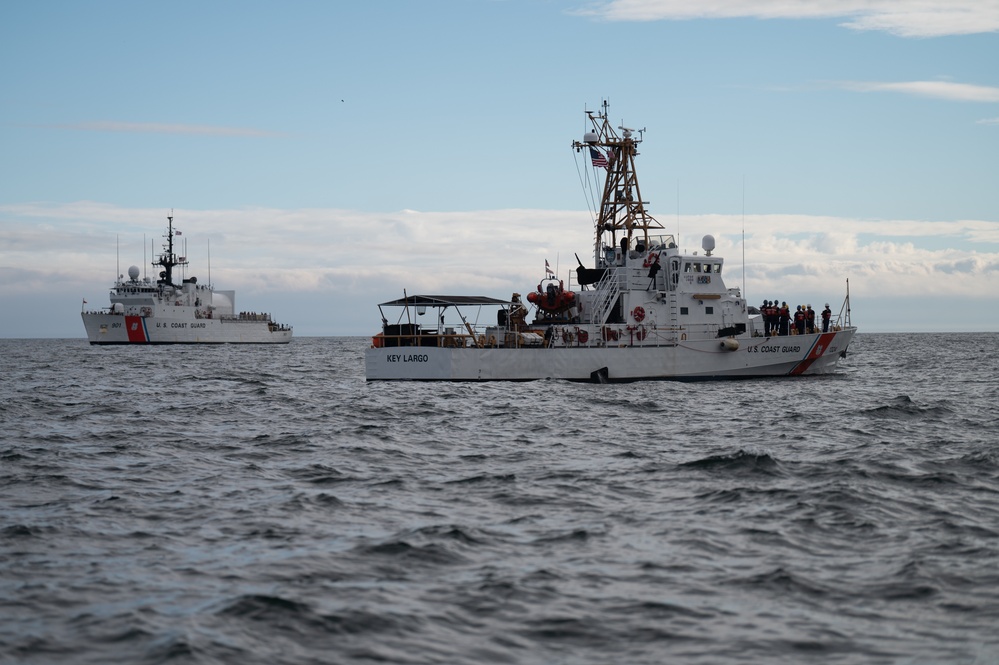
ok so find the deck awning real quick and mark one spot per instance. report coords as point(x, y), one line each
point(443, 301)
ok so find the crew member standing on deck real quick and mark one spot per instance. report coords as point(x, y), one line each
point(653, 271)
point(785, 319)
point(799, 321)
point(826, 315)
point(810, 319)
point(518, 313)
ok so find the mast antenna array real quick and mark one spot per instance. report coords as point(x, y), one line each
point(622, 214)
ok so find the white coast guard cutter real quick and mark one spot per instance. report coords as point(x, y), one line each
point(143, 312)
point(646, 310)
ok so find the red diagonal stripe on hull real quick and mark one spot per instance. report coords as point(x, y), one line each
point(136, 331)
point(816, 352)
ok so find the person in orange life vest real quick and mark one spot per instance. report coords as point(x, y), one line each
point(785, 319)
point(810, 319)
point(799, 321)
point(826, 315)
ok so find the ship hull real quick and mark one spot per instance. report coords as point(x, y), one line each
point(111, 329)
point(686, 360)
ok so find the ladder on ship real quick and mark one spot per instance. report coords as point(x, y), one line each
point(674, 318)
point(608, 288)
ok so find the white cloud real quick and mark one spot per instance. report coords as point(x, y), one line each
point(164, 128)
point(988, 121)
point(962, 92)
point(343, 262)
point(905, 18)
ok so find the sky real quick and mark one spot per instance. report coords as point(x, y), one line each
point(327, 156)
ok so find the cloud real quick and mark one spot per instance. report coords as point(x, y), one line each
point(962, 92)
point(163, 128)
point(988, 121)
point(904, 18)
point(331, 266)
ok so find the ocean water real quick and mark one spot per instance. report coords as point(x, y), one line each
point(266, 505)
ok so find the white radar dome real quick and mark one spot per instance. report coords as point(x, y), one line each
point(590, 137)
point(708, 244)
point(133, 273)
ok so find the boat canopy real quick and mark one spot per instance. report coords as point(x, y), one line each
point(443, 301)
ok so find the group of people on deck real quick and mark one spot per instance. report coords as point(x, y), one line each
point(778, 319)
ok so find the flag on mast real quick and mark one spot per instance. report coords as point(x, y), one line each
point(548, 268)
point(597, 158)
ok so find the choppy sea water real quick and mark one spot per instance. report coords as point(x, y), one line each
point(266, 505)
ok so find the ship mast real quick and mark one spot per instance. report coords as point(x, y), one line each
point(168, 260)
point(622, 211)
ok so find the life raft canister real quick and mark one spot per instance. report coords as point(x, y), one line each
point(638, 313)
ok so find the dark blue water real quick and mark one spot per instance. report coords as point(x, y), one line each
point(266, 505)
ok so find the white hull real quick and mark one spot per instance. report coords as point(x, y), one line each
point(104, 328)
point(807, 354)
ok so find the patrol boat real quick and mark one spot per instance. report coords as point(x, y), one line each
point(142, 312)
point(645, 310)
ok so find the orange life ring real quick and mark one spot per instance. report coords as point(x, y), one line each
point(650, 259)
point(583, 337)
point(638, 313)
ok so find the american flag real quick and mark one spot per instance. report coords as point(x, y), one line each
point(548, 268)
point(598, 158)
point(177, 233)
